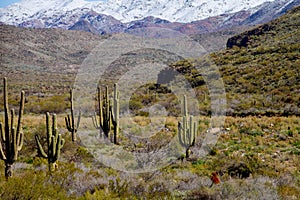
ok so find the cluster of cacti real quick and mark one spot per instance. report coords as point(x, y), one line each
point(11, 136)
point(70, 120)
point(54, 143)
point(108, 113)
point(187, 130)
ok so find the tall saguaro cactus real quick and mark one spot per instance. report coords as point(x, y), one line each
point(115, 113)
point(11, 136)
point(70, 120)
point(101, 120)
point(187, 130)
point(54, 143)
point(108, 113)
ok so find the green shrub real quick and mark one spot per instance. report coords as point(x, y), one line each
point(30, 186)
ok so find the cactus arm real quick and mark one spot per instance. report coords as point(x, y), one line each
point(20, 134)
point(54, 137)
point(95, 122)
point(185, 108)
point(184, 130)
point(194, 134)
point(190, 131)
point(53, 149)
point(48, 128)
point(78, 120)
point(14, 155)
point(2, 155)
point(6, 113)
point(59, 144)
point(68, 125)
point(116, 113)
point(72, 110)
point(40, 147)
point(180, 134)
point(2, 133)
point(20, 140)
point(62, 143)
point(54, 126)
point(21, 110)
point(100, 106)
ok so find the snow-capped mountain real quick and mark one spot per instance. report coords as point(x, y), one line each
point(128, 10)
point(187, 16)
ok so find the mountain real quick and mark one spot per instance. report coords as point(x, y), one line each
point(44, 63)
point(189, 17)
point(44, 47)
point(128, 10)
point(261, 76)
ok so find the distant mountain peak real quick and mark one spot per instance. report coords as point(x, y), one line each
point(130, 10)
point(112, 16)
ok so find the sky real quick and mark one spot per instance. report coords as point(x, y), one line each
point(4, 3)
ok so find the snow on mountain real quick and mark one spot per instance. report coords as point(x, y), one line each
point(126, 10)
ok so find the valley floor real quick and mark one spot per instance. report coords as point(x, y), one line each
point(255, 157)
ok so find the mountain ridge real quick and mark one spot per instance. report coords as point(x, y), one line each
point(87, 18)
point(130, 10)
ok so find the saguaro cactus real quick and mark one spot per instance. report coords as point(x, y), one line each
point(10, 136)
point(115, 113)
point(108, 113)
point(187, 130)
point(70, 119)
point(54, 143)
point(101, 120)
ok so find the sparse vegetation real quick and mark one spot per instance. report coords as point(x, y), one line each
point(256, 156)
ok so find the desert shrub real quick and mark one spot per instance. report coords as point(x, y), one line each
point(135, 105)
point(158, 190)
point(55, 104)
point(31, 186)
point(239, 170)
point(201, 194)
point(119, 187)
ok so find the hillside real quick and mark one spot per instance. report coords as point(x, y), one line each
point(261, 68)
point(43, 62)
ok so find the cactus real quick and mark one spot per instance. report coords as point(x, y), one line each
point(101, 120)
point(108, 113)
point(187, 130)
point(70, 119)
point(54, 143)
point(115, 114)
point(10, 136)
